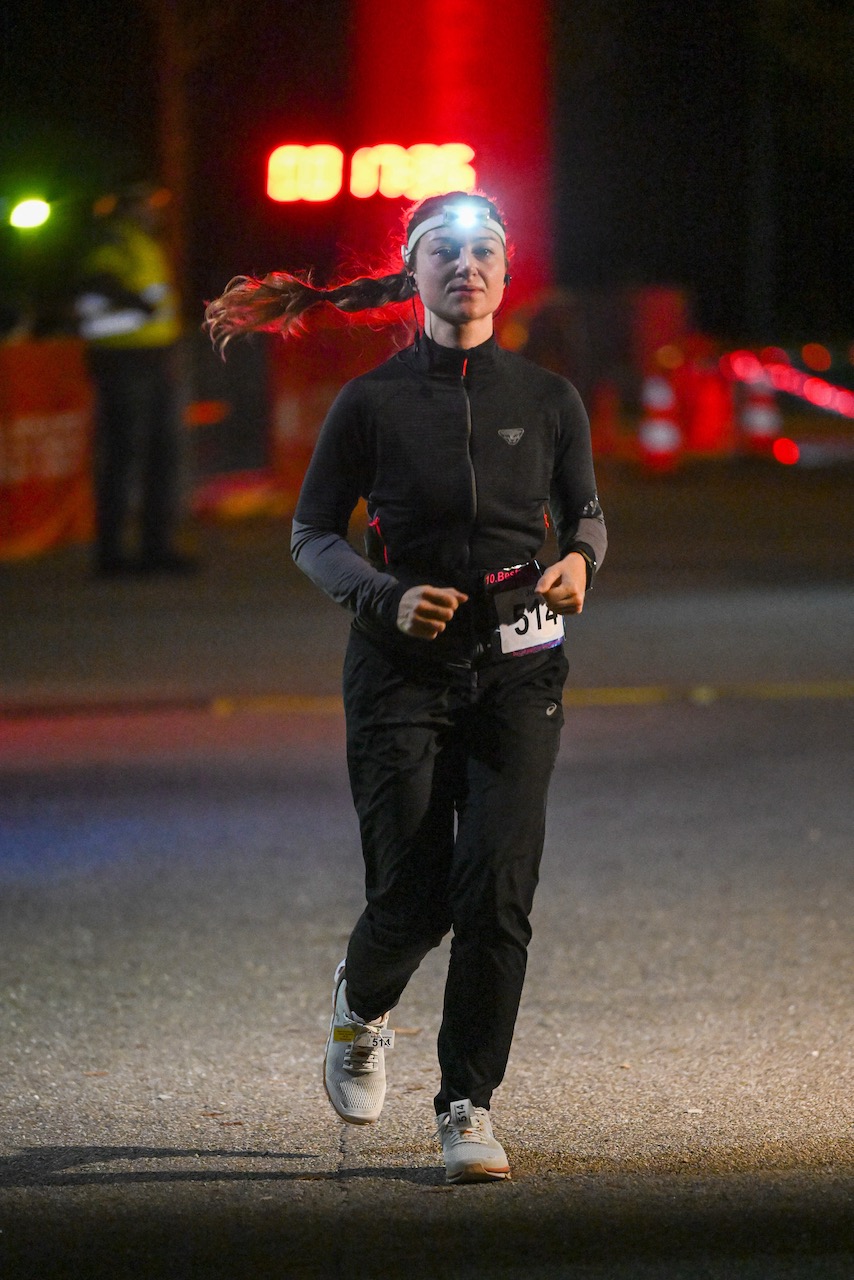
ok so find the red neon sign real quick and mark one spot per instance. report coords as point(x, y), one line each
point(296, 172)
point(305, 173)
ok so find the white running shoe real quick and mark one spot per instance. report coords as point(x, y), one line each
point(471, 1150)
point(354, 1066)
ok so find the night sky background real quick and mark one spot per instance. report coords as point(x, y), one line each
point(707, 145)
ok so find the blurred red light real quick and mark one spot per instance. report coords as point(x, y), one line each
point(786, 451)
point(819, 392)
point(774, 355)
point(206, 413)
point(816, 357)
point(742, 365)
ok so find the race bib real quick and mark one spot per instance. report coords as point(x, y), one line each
point(525, 622)
point(369, 1037)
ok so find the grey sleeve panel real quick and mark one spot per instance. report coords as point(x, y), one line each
point(574, 502)
point(591, 529)
point(347, 578)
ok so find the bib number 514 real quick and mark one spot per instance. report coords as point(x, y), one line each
point(528, 617)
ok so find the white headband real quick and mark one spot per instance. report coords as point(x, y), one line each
point(463, 216)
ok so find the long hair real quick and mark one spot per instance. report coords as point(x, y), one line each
point(278, 302)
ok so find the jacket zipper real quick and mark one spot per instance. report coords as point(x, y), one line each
point(468, 434)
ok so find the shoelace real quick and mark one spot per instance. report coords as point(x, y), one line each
point(475, 1131)
point(360, 1056)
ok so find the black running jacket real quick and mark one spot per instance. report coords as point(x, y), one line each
point(462, 458)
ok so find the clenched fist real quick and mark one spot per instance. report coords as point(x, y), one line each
point(564, 584)
point(425, 611)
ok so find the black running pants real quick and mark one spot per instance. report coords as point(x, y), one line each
point(450, 769)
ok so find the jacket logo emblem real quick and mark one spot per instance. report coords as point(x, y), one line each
point(512, 434)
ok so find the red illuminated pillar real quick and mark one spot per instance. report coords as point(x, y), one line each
point(469, 71)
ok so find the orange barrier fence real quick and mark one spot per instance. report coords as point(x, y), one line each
point(46, 428)
point(45, 447)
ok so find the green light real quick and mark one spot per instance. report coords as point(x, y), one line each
point(29, 213)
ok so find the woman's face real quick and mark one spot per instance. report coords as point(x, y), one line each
point(460, 278)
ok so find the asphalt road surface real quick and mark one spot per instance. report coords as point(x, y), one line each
point(179, 869)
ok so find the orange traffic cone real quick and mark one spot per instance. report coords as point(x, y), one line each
point(660, 439)
point(760, 418)
point(711, 423)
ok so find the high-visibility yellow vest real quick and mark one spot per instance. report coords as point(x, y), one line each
point(138, 262)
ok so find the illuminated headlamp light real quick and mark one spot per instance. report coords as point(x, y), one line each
point(461, 217)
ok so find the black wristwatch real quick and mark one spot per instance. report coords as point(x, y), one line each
point(589, 559)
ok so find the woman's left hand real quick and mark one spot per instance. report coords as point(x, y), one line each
point(564, 584)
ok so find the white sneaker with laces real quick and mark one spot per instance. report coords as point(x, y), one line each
point(471, 1150)
point(354, 1065)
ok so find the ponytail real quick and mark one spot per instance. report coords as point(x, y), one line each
point(277, 303)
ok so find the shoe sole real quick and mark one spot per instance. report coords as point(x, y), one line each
point(479, 1173)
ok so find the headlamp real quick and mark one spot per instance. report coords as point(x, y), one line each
point(462, 217)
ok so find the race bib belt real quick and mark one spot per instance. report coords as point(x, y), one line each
point(525, 622)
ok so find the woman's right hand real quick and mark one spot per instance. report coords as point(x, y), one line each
point(425, 611)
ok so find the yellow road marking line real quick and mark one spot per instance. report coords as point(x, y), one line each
point(705, 694)
point(278, 704)
point(804, 689)
point(619, 696)
point(607, 696)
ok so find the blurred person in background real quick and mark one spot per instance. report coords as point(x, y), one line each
point(127, 310)
point(455, 667)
